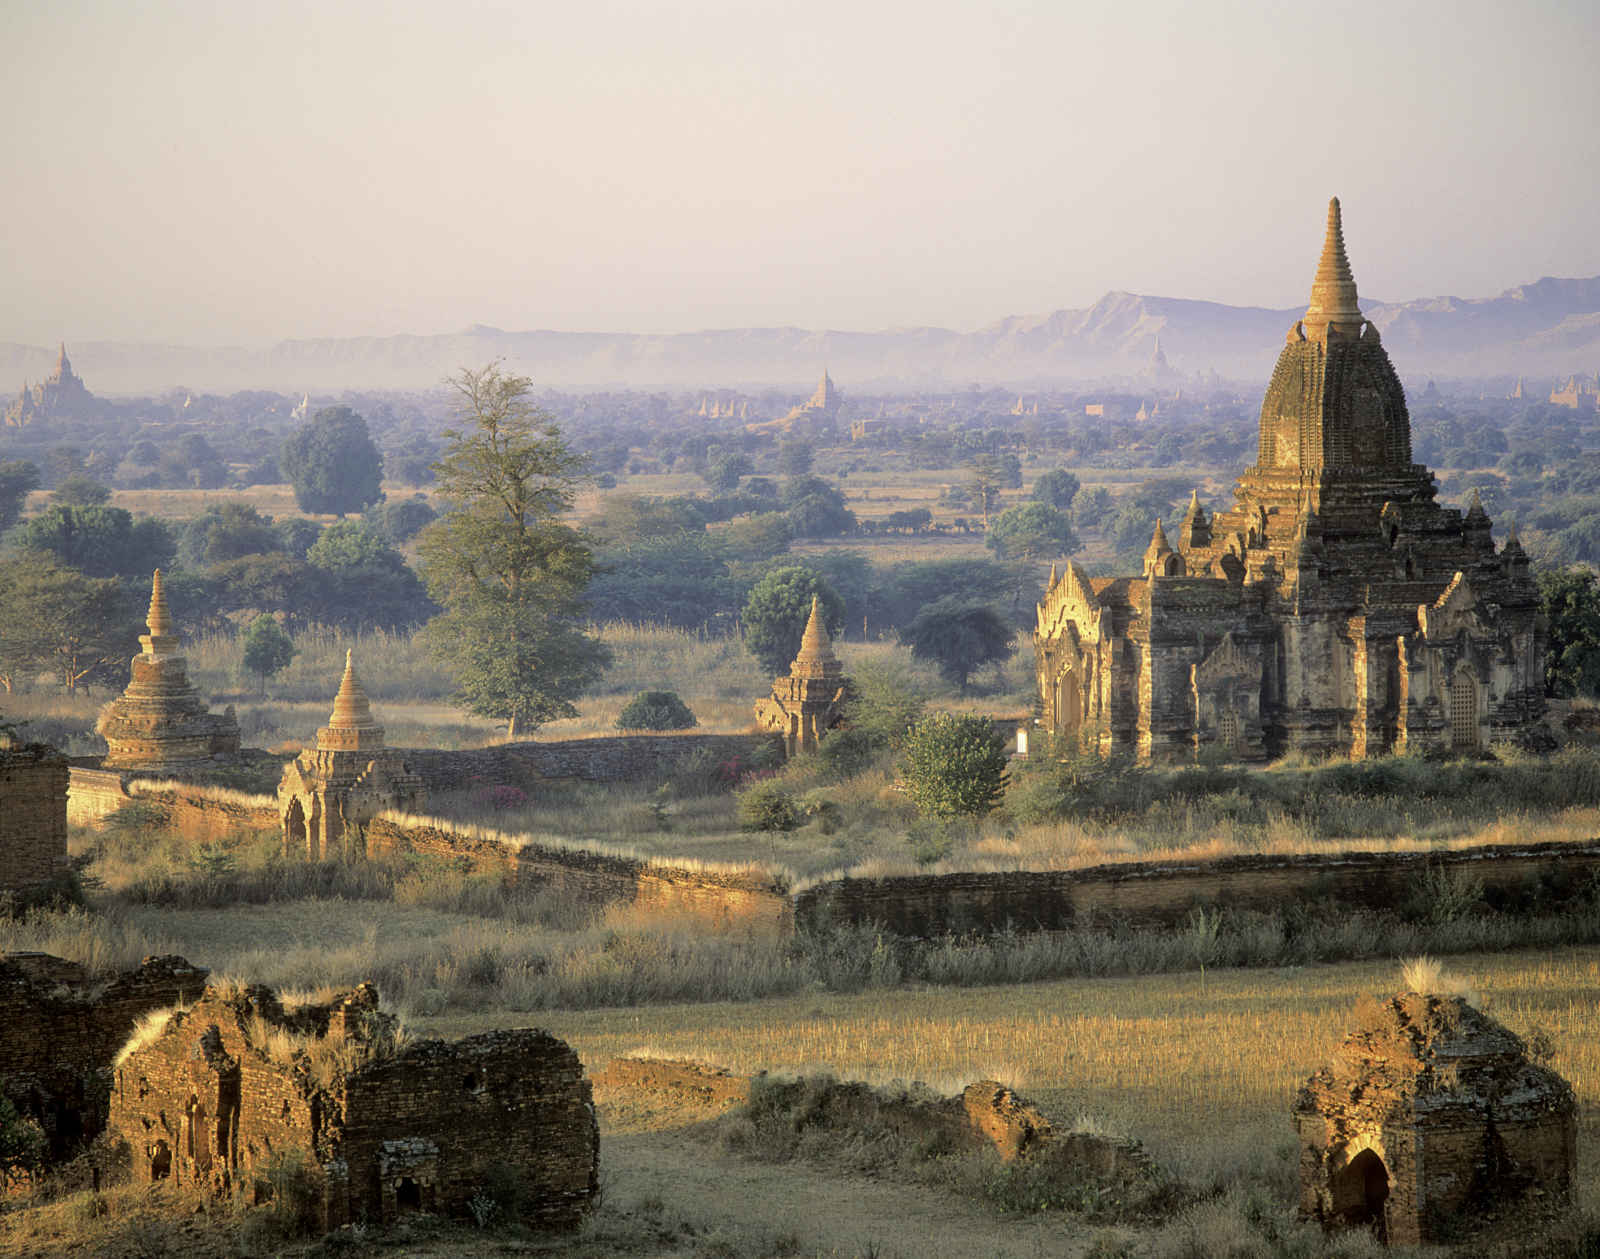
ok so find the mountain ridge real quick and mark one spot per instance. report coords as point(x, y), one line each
point(1550, 326)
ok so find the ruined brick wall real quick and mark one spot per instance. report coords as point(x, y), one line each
point(1162, 894)
point(723, 898)
point(510, 1101)
point(211, 1099)
point(608, 759)
point(61, 1028)
point(33, 816)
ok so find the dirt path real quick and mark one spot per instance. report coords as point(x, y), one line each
point(681, 1174)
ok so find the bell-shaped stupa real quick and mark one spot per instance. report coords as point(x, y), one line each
point(159, 723)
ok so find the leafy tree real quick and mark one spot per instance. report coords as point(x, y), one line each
point(726, 470)
point(98, 541)
point(22, 1144)
point(509, 574)
point(267, 649)
point(17, 478)
point(959, 637)
point(1032, 532)
point(816, 509)
point(268, 583)
point(911, 586)
point(82, 629)
point(955, 766)
point(757, 537)
point(296, 535)
point(794, 456)
point(1057, 487)
point(365, 582)
point(1571, 601)
point(333, 464)
point(226, 532)
point(776, 612)
point(680, 581)
point(631, 518)
point(984, 480)
point(768, 807)
point(656, 710)
point(912, 520)
point(80, 491)
point(402, 519)
point(191, 460)
point(1091, 507)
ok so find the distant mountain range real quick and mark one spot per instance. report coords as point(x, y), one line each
point(1548, 328)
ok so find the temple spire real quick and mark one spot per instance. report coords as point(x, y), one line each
point(1333, 291)
point(159, 617)
point(816, 658)
point(351, 708)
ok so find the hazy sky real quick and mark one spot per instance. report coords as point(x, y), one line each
point(244, 170)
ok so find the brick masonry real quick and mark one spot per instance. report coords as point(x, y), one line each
point(33, 816)
point(1162, 894)
point(238, 1082)
point(61, 1027)
point(1429, 1115)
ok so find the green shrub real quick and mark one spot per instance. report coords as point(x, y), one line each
point(22, 1144)
point(656, 710)
point(955, 766)
point(768, 807)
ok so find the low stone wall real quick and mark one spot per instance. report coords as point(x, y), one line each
point(722, 898)
point(95, 794)
point(33, 816)
point(63, 1028)
point(605, 759)
point(1163, 894)
point(204, 815)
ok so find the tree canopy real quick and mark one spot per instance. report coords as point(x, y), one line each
point(1032, 531)
point(955, 766)
point(776, 612)
point(1057, 487)
point(333, 464)
point(98, 541)
point(509, 574)
point(1572, 605)
point(267, 649)
point(958, 636)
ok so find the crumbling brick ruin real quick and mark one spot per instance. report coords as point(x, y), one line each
point(330, 793)
point(60, 1029)
point(159, 724)
point(212, 1094)
point(1429, 1113)
point(1337, 608)
point(807, 703)
point(33, 817)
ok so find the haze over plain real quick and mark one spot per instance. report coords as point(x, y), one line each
point(233, 174)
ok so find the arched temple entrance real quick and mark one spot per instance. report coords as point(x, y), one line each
point(1360, 1191)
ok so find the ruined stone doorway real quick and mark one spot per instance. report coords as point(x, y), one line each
point(1069, 705)
point(1360, 1191)
point(407, 1196)
point(1463, 714)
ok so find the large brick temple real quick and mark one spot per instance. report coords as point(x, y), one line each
point(1336, 608)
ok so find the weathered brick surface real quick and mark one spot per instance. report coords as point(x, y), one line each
point(613, 758)
point(1155, 894)
point(60, 1029)
point(1431, 1114)
point(33, 816)
point(236, 1081)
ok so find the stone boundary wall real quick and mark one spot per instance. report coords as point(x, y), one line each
point(33, 816)
point(724, 898)
point(603, 759)
point(1163, 894)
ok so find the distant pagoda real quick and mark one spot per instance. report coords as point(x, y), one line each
point(159, 723)
point(328, 794)
point(61, 395)
point(806, 703)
